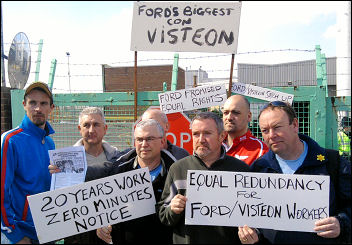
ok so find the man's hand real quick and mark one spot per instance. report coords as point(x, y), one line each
point(25, 240)
point(178, 203)
point(328, 227)
point(53, 169)
point(104, 234)
point(247, 235)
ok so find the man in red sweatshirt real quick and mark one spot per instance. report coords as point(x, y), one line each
point(239, 142)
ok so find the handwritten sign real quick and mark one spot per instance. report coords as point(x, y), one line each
point(273, 201)
point(193, 98)
point(261, 93)
point(186, 26)
point(91, 205)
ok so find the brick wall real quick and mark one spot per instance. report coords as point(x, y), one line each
point(6, 119)
point(149, 78)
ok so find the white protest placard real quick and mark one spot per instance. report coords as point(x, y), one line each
point(261, 93)
point(91, 205)
point(186, 26)
point(287, 202)
point(193, 98)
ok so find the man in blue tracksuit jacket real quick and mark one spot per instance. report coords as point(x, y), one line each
point(24, 165)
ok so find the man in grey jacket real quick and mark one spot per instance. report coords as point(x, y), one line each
point(99, 155)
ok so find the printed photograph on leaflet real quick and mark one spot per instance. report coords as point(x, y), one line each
point(72, 164)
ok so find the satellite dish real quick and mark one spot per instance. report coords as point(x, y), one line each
point(19, 61)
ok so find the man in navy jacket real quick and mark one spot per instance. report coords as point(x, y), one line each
point(294, 153)
point(148, 152)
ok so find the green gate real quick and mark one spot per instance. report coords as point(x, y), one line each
point(318, 115)
point(118, 109)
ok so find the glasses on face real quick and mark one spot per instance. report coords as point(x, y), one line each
point(147, 139)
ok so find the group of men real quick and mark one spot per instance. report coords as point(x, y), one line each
point(220, 145)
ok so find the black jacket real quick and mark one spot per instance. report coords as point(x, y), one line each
point(147, 229)
point(313, 166)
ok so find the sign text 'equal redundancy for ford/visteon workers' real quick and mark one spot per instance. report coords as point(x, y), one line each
point(275, 201)
point(186, 26)
point(91, 205)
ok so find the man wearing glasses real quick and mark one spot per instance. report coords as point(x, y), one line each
point(149, 141)
point(161, 118)
point(294, 153)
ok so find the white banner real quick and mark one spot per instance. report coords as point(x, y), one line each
point(287, 202)
point(261, 93)
point(186, 26)
point(193, 98)
point(80, 208)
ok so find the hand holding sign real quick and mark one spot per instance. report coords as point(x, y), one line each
point(178, 203)
point(104, 233)
point(328, 227)
point(247, 235)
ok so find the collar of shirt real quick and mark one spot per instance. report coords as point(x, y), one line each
point(237, 140)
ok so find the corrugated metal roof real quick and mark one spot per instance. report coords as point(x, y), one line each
point(300, 73)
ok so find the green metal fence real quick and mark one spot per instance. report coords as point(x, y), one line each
point(318, 115)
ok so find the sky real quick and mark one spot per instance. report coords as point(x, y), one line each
point(99, 32)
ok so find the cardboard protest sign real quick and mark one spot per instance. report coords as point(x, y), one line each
point(91, 205)
point(186, 26)
point(287, 202)
point(261, 93)
point(193, 98)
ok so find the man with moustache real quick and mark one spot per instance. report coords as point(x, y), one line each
point(24, 165)
point(209, 154)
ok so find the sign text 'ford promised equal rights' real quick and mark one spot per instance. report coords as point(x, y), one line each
point(80, 208)
point(287, 202)
point(192, 98)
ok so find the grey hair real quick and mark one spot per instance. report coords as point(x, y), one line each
point(151, 122)
point(91, 110)
point(210, 115)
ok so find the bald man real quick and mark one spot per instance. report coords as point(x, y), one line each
point(239, 142)
point(161, 118)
